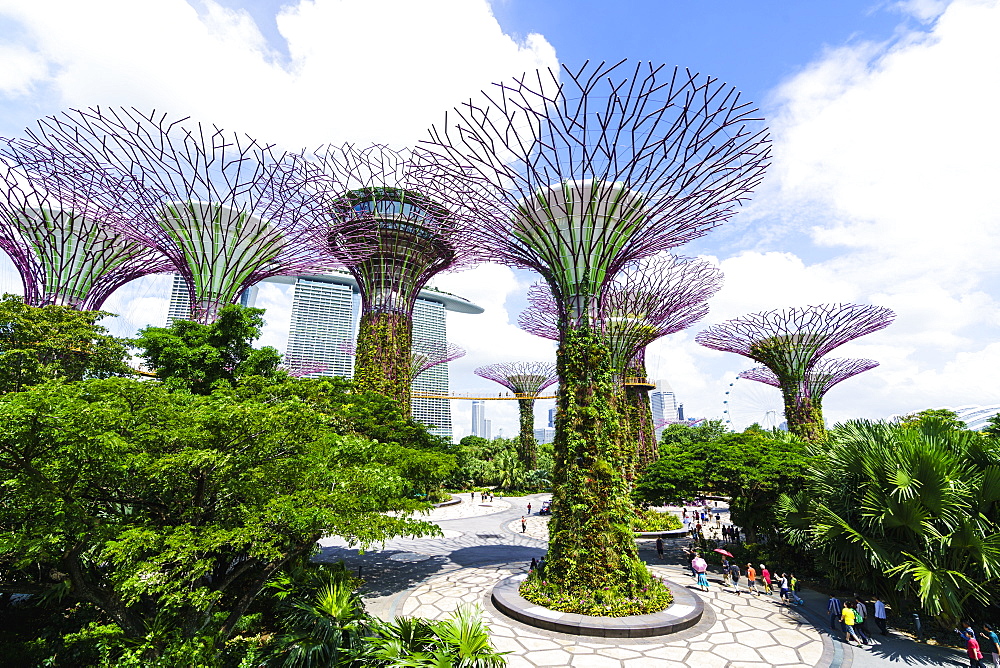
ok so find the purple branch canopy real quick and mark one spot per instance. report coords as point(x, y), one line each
point(826, 373)
point(61, 220)
point(424, 354)
point(791, 341)
point(391, 237)
point(527, 378)
point(650, 299)
point(574, 174)
point(232, 212)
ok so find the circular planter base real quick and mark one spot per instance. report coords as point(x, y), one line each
point(683, 613)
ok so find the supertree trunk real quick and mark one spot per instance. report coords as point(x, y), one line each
point(528, 446)
point(590, 541)
point(804, 415)
point(382, 363)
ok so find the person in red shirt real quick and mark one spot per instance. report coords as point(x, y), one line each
point(765, 575)
point(975, 654)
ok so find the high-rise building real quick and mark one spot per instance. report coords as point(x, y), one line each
point(325, 314)
point(552, 418)
point(488, 433)
point(479, 419)
point(545, 435)
point(180, 300)
point(663, 403)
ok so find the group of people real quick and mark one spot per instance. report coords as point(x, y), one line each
point(851, 616)
point(731, 533)
point(977, 650)
point(483, 497)
point(785, 583)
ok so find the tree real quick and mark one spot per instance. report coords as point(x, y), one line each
point(195, 356)
point(169, 510)
point(943, 416)
point(905, 511)
point(993, 426)
point(752, 468)
point(42, 343)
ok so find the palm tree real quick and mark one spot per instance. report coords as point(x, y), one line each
point(895, 509)
point(461, 641)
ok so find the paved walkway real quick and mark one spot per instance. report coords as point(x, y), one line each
point(483, 544)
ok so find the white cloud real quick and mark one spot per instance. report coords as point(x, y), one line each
point(21, 69)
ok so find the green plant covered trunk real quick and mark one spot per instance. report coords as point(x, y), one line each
point(528, 446)
point(591, 546)
point(640, 415)
point(804, 416)
point(382, 361)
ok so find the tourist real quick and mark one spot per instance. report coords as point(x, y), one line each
point(991, 644)
point(700, 566)
point(734, 573)
point(541, 566)
point(765, 575)
point(659, 548)
point(529, 507)
point(783, 587)
point(533, 565)
point(833, 606)
point(861, 620)
point(524, 524)
point(974, 652)
point(718, 521)
point(752, 580)
point(847, 617)
point(880, 616)
point(725, 572)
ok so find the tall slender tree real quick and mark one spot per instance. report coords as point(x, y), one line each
point(574, 174)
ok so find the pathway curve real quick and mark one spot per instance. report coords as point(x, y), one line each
point(430, 577)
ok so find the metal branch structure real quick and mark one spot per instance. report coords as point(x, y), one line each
point(526, 380)
point(233, 210)
point(819, 379)
point(393, 239)
point(791, 343)
point(574, 174)
point(59, 222)
point(427, 354)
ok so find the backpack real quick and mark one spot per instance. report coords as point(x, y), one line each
point(858, 618)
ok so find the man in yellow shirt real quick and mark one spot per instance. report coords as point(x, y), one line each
point(847, 615)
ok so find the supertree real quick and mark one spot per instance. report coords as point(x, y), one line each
point(574, 174)
point(233, 210)
point(647, 300)
point(393, 240)
point(791, 343)
point(818, 380)
point(427, 354)
point(526, 380)
point(59, 222)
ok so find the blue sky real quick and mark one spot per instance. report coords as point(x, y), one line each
point(882, 115)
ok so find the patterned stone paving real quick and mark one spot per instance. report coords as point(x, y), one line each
point(468, 508)
point(738, 632)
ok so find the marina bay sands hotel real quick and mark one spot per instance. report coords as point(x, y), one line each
point(326, 309)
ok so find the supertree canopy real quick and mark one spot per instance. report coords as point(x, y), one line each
point(791, 343)
point(59, 222)
point(427, 354)
point(233, 210)
point(575, 174)
point(526, 380)
point(393, 239)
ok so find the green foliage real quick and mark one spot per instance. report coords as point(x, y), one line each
point(382, 359)
point(527, 445)
point(591, 545)
point(197, 357)
point(906, 511)
point(170, 511)
point(651, 520)
point(49, 342)
point(993, 427)
point(460, 641)
point(650, 596)
point(497, 464)
point(753, 468)
point(943, 416)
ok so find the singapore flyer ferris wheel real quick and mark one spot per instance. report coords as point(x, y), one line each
point(749, 402)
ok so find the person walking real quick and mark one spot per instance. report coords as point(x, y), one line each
point(700, 566)
point(783, 586)
point(734, 573)
point(752, 580)
point(991, 644)
point(974, 652)
point(834, 607)
point(765, 576)
point(861, 620)
point(847, 616)
point(529, 507)
point(725, 572)
point(524, 524)
point(880, 617)
point(659, 548)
